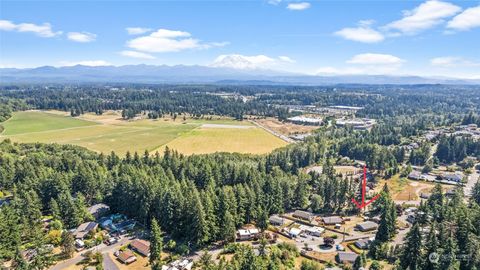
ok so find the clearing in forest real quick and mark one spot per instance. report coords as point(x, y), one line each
point(108, 132)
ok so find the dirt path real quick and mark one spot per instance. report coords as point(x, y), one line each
point(283, 137)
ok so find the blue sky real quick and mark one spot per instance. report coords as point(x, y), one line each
point(316, 37)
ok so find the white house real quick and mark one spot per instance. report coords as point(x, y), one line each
point(247, 234)
point(314, 231)
point(294, 232)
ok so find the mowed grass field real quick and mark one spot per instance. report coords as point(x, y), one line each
point(209, 140)
point(36, 121)
point(109, 132)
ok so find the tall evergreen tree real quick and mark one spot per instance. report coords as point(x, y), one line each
point(156, 243)
point(412, 254)
point(68, 244)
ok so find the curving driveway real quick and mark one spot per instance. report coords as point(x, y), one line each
point(102, 248)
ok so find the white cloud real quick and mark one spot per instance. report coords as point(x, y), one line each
point(452, 61)
point(332, 71)
point(238, 61)
point(375, 59)
point(298, 6)
point(90, 63)
point(362, 70)
point(365, 64)
point(466, 20)
point(425, 16)
point(137, 30)
point(362, 33)
point(274, 2)
point(43, 30)
point(7, 25)
point(82, 37)
point(286, 59)
point(164, 40)
point(135, 54)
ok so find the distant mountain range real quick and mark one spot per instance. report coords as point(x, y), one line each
point(199, 74)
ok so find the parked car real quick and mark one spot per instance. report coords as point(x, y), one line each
point(111, 241)
point(340, 248)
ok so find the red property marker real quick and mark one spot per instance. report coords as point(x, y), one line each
point(364, 204)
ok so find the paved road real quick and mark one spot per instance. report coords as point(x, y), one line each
point(108, 263)
point(472, 179)
point(102, 248)
point(314, 243)
point(400, 237)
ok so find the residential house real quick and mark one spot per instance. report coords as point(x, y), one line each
point(276, 220)
point(98, 210)
point(415, 175)
point(247, 234)
point(367, 226)
point(303, 215)
point(454, 177)
point(141, 246)
point(314, 231)
point(294, 232)
point(332, 220)
point(179, 265)
point(363, 243)
point(346, 257)
point(243, 235)
point(127, 257)
point(84, 229)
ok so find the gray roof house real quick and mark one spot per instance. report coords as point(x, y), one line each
point(276, 220)
point(415, 175)
point(346, 257)
point(367, 226)
point(98, 210)
point(453, 177)
point(332, 220)
point(363, 243)
point(303, 215)
point(85, 229)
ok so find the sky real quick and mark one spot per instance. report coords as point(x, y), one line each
point(324, 37)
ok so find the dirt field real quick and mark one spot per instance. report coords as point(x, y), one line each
point(403, 189)
point(285, 128)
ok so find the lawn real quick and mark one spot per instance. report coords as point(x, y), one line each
point(109, 132)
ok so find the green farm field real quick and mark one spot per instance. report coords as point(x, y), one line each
point(109, 132)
